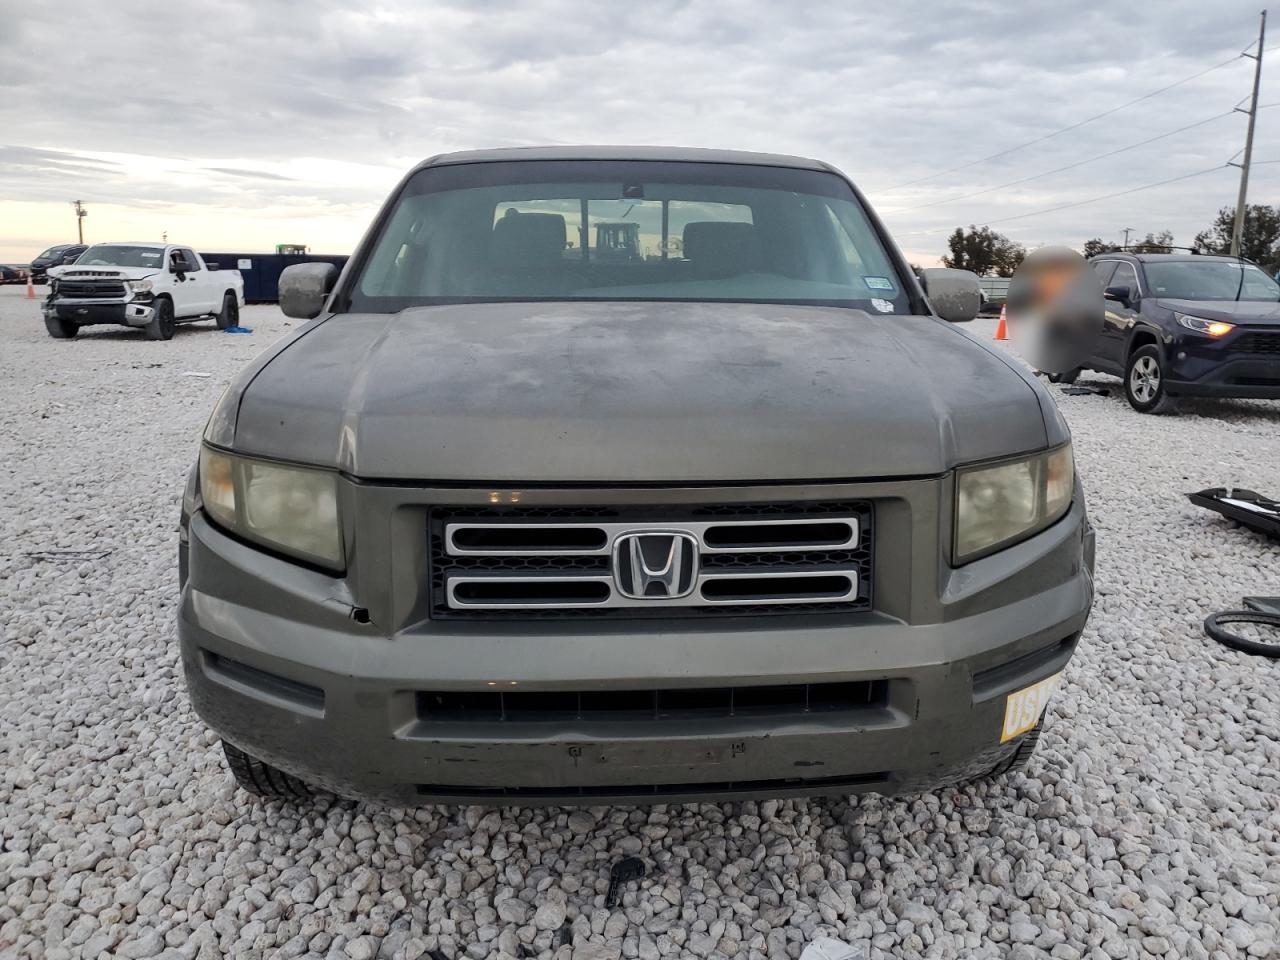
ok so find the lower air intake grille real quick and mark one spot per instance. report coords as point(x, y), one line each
point(784, 700)
point(1268, 343)
point(653, 561)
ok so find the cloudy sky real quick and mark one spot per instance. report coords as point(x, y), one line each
point(246, 123)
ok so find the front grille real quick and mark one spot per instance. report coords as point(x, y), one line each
point(559, 706)
point(90, 289)
point(1268, 343)
point(534, 562)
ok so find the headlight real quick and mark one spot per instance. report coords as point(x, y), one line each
point(1214, 328)
point(999, 503)
point(291, 509)
point(140, 286)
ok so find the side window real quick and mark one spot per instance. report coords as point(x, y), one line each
point(1103, 269)
point(1125, 277)
point(190, 257)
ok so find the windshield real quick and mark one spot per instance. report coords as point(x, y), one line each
point(622, 230)
point(1210, 280)
point(50, 252)
point(120, 255)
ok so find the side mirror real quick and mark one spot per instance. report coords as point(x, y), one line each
point(955, 295)
point(304, 287)
point(179, 266)
point(1117, 293)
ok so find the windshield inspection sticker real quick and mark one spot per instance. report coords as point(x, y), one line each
point(879, 283)
point(884, 306)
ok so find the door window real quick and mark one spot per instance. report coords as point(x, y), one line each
point(1103, 269)
point(1125, 277)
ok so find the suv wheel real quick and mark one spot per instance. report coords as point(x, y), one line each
point(1144, 381)
point(61, 329)
point(162, 324)
point(229, 315)
point(262, 779)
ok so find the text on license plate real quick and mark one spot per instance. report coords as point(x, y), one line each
point(1023, 708)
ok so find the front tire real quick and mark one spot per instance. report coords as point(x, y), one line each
point(1144, 381)
point(61, 329)
point(162, 323)
point(229, 315)
point(261, 779)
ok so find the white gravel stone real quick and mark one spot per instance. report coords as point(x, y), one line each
point(1145, 826)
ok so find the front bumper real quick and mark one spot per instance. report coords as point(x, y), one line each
point(279, 662)
point(1201, 367)
point(133, 313)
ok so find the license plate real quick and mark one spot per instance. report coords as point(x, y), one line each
point(1023, 708)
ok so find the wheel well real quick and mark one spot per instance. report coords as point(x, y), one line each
point(1141, 339)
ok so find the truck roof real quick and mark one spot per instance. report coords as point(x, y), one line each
point(660, 154)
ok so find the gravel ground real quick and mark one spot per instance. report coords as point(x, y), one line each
point(1148, 824)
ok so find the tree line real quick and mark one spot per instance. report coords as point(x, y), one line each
point(988, 253)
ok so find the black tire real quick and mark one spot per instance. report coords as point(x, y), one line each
point(1068, 377)
point(1144, 381)
point(229, 315)
point(1019, 758)
point(262, 779)
point(61, 329)
point(1214, 625)
point(162, 324)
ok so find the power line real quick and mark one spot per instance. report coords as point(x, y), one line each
point(1111, 196)
point(1069, 166)
point(1069, 127)
point(1081, 203)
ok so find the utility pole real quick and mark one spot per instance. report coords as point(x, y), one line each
point(81, 213)
point(1127, 231)
point(1237, 230)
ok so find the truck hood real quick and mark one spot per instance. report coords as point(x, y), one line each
point(635, 392)
point(99, 273)
point(1252, 312)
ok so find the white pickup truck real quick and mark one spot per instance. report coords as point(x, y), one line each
point(154, 286)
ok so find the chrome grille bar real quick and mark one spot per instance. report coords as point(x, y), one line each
point(567, 539)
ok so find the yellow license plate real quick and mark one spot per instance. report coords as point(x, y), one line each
point(1023, 708)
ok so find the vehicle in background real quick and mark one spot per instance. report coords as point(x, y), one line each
point(514, 520)
point(13, 273)
point(995, 291)
point(153, 286)
point(1184, 325)
point(57, 256)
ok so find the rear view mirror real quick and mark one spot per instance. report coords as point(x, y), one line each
point(179, 266)
point(1117, 293)
point(954, 294)
point(304, 287)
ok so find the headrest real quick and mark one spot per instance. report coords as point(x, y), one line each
point(722, 247)
point(525, 240)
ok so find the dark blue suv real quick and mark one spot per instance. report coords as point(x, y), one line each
point(1187, 326)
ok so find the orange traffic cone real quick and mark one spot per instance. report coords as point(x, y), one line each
point(31, 290)
point(1001, 332)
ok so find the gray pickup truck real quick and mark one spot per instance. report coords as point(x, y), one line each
point(635, 475)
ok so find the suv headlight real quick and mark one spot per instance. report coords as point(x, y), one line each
point(1214, 328)
point(140, 286)
point(288, 508)
point(1000, 503)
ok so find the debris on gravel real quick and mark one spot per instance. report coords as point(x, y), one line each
point(1148, 825)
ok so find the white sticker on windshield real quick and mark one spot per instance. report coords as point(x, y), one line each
point(884, 306)
point(879, 283)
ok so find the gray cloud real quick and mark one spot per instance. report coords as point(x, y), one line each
point(889, 93)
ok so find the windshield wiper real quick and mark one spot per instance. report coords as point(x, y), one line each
point(1240, 285)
